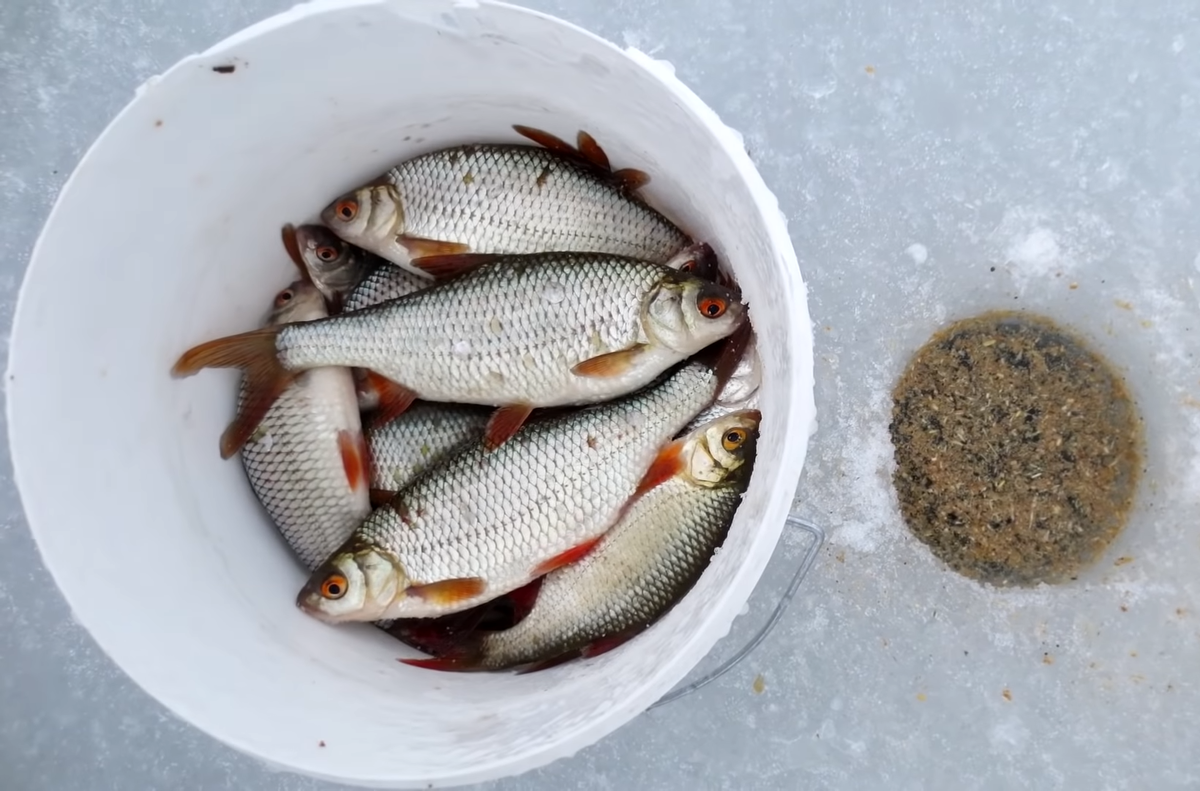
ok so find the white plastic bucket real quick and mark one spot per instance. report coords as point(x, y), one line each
point(167, 234)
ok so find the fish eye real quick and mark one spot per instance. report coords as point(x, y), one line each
point(712, 307)
point(346, 209)
point(733, 439)
point(327, 253)
point(334, 586)
point(284, 297)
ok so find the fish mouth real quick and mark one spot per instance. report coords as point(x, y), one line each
point(309, 601)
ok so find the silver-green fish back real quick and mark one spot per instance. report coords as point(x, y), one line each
point(641, 567)
point(524, 199)
point(424, 436)
point(557, 484)
point(385, 282)
point(306, 461)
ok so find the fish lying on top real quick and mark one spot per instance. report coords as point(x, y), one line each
point(485, 523)
point(517, 332)
point(504, 198)
point(637, 571)
point(307, 460)
point(424, 436)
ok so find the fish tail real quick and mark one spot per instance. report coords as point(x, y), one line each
point(235, 351)
point(265, 378)
point(445, 664)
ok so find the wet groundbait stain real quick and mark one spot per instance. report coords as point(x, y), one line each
point(1018, 450)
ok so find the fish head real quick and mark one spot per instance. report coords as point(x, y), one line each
point(301, 301)
point(331, 262)
point(723, 448)
point(686, 313)
point(356, 584)
point(371, 216)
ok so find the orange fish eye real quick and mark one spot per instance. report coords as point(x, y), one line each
point(346, 209)
point(712, 307)
point(733, 439)
point(284, 297)
point(326, 253)
point(334, 586)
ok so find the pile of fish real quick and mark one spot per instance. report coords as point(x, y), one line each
point(507, 413)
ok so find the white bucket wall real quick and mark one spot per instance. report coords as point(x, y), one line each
point(168, 234)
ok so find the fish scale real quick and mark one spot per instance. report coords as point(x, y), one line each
point(422, 437)
point(641, 567)
point(522, 199)
point(558, 483)
point(385, 282)
point(441, 343)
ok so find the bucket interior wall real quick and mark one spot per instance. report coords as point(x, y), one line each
point(163, 552)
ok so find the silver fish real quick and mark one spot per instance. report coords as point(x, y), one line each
point(641, 567)
point(423, 437)
point(333, 266)
point(385, 283)
point(518, 332)
point(500, 199)
point(484, 523)
point(307, 460)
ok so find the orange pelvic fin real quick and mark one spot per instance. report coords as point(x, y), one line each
point(565, 558)
point(666, 465)
point(610, 364)
point(504, 423)
point(419, 247)
point(448, 592)
point(444, 267)
point(394, 398)
point(353, 447)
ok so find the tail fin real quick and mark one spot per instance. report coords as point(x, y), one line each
point(265, 379)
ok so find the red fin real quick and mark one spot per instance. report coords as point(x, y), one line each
point(504, 423)
point(546, 664)
point(592, 152)
point(380, 497)
point(444, 664)
point(394, 398)
point(603, 645)
point(611, 364)
point(523, 599)
point(547, 140)
point(448, 592)
point(631, 179)
point(265, 379)
point(364, 387)
point(666, 465)
point(422, 248)
point(443, 267)
point(293, 250)
point(564, 558)
point(354, 458)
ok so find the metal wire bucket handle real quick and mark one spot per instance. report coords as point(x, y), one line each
point(810, 557)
